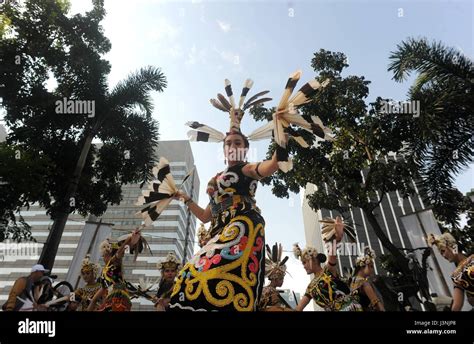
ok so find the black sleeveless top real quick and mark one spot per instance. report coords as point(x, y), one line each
point(221, 189)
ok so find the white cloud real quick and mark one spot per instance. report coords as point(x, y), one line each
point(174, 51)
point(225, 27)
point(80, 6)
point(196, 55)
point(162, 31)
point(228, 56)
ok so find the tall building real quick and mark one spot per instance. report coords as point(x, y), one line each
point(406, 222)
point(174, 231)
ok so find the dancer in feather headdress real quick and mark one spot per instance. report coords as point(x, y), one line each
point(169, 268)
point(90, 274)
point(326, 288)
point(275, 271)
point(113, 285)
point(361, 286)
point(227, 273)
point(463, 275)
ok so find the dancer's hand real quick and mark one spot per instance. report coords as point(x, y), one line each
point(339, 226)
point(135, 237)
point(180, 195)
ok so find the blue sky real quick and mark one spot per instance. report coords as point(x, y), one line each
point(200, 43)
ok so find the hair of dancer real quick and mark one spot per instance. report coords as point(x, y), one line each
point(90, 274)
point(463, 275)
point(326, 288)
point(275, 271)
point(361, 287)
point(169, 268)
point(113, 286)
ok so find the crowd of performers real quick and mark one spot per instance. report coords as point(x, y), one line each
point(228, 272)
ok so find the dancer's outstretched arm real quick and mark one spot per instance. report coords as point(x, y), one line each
point(204, 215)
point(261, 169)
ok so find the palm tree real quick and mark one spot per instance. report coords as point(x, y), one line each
point(125, 116)
point(442, 140)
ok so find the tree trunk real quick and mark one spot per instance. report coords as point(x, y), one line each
point(50, 248)
point(399, 257)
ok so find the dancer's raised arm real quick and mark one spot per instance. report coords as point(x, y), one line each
point(261, 169)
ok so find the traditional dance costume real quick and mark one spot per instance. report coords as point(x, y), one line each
point(228, 272)
point(463, 277)
point(326, 288)
point(358, 283)
point(117, 298)
point(87, 292)
point(165, 287)
point(275, 269)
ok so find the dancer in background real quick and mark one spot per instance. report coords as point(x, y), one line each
point(326, 288)
point(90, 274)
point(463, 275)
point(275, 271)
point(169, 268)
point(361, 288)
point(113, 286)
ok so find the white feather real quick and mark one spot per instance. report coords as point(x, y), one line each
point(248, 83)
point(264, 132)
point(285, 166)
point(231, 98)
point(207, 129)
point(301, 141)
point(287, 93)
point(192, 136)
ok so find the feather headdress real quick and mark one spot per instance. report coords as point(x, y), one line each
point(274, 265)
point(205, 133)
point(170, 262)
point(87, 265)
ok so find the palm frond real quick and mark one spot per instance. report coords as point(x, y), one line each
point(135, 89)
point(433, 59)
